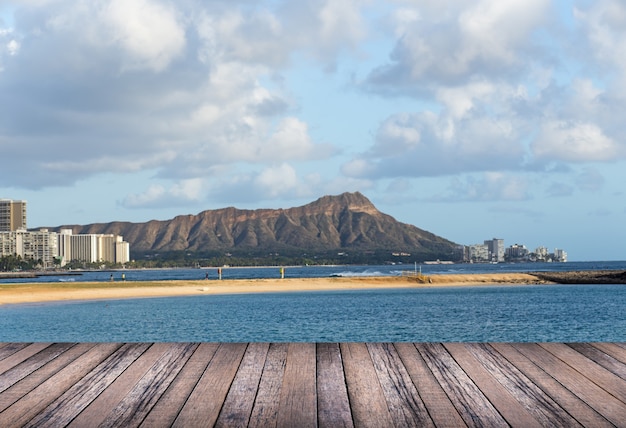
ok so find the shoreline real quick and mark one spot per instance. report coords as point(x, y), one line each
point(19, 293)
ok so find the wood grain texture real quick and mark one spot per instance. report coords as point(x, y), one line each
point(240, 399)
point(437, 402)
point(565, 399)
point(265, 409)
point(136, 404)
point(470, 402)
point(23, 354)
point(8, 349)
point(165, 411)
point(26, 367)
point(601, 358)
point(309, 384)
point(369, 407)
point(18, 390)
point(590, 369)
point(69, 405)
point(333, 404)
point(596, 397)
point(403, 400)
point(203, 405)
point(298, 394)
point(34, 403)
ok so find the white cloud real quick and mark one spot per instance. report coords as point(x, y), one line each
point(419, 145)
point(275, 181)
point(574, 142)
point(180, 193)
point(453, 41)
point(180, 88)
point(148, 31)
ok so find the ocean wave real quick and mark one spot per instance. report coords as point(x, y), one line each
point(359, 274)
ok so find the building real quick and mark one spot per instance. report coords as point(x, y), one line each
point(92, 248)
point(12, 215)
point(516, 252)
point(560, 255)
point(39, 246)
point(44, 246)
point(478, 253)
point(496, 249)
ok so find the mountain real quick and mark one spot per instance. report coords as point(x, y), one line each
point(347, 222)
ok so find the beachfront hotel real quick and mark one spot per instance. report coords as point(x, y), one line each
point(55, 248)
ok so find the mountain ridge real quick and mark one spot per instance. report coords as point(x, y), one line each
point(348, 221)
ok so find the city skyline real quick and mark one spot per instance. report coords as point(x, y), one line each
point(466, 119)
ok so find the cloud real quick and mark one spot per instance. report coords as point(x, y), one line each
point(574, 142)
point(149, 33)
point(158, 196)
point(181, 88)
point(492, 186)
point(451, 42)
point(425, 144)
point(500, 89)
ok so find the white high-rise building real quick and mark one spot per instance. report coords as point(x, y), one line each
point(39, 246)
point(92, 248)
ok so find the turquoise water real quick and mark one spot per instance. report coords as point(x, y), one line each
point(561, 313)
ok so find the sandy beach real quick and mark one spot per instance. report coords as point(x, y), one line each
point(63, 291)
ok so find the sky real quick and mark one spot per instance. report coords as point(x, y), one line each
point(472, 119)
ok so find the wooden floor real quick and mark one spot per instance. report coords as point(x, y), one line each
point(308, 384)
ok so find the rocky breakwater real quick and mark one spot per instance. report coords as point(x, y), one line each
point(584, 277)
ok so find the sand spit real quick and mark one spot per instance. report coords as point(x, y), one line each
point(61, 291)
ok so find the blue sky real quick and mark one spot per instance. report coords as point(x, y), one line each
point(470, 119)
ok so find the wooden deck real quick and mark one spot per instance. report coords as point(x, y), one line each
point(308, 384)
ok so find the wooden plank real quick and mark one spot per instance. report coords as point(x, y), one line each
point(570, 402)
point(367, 400)
point(203, 405)
point(237, 407)
point(64, 409)
point(33, 380)
point(439, 406)
point(135, 405)
point(97, 411)
point(265, 409)
point(507, 404)
point(536, 402)
point(20, 371)
point(589, 368)
point(601, 358)
point(597, 398)
point(470, 402)
point(613, 350)
point(166, 409)
point(298, 396)
point(403, 400)
point(22, 355)
point(47, 392)
point(11, 348)
point(333, 405)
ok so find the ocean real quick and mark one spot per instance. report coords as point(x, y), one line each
point(535, 313)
